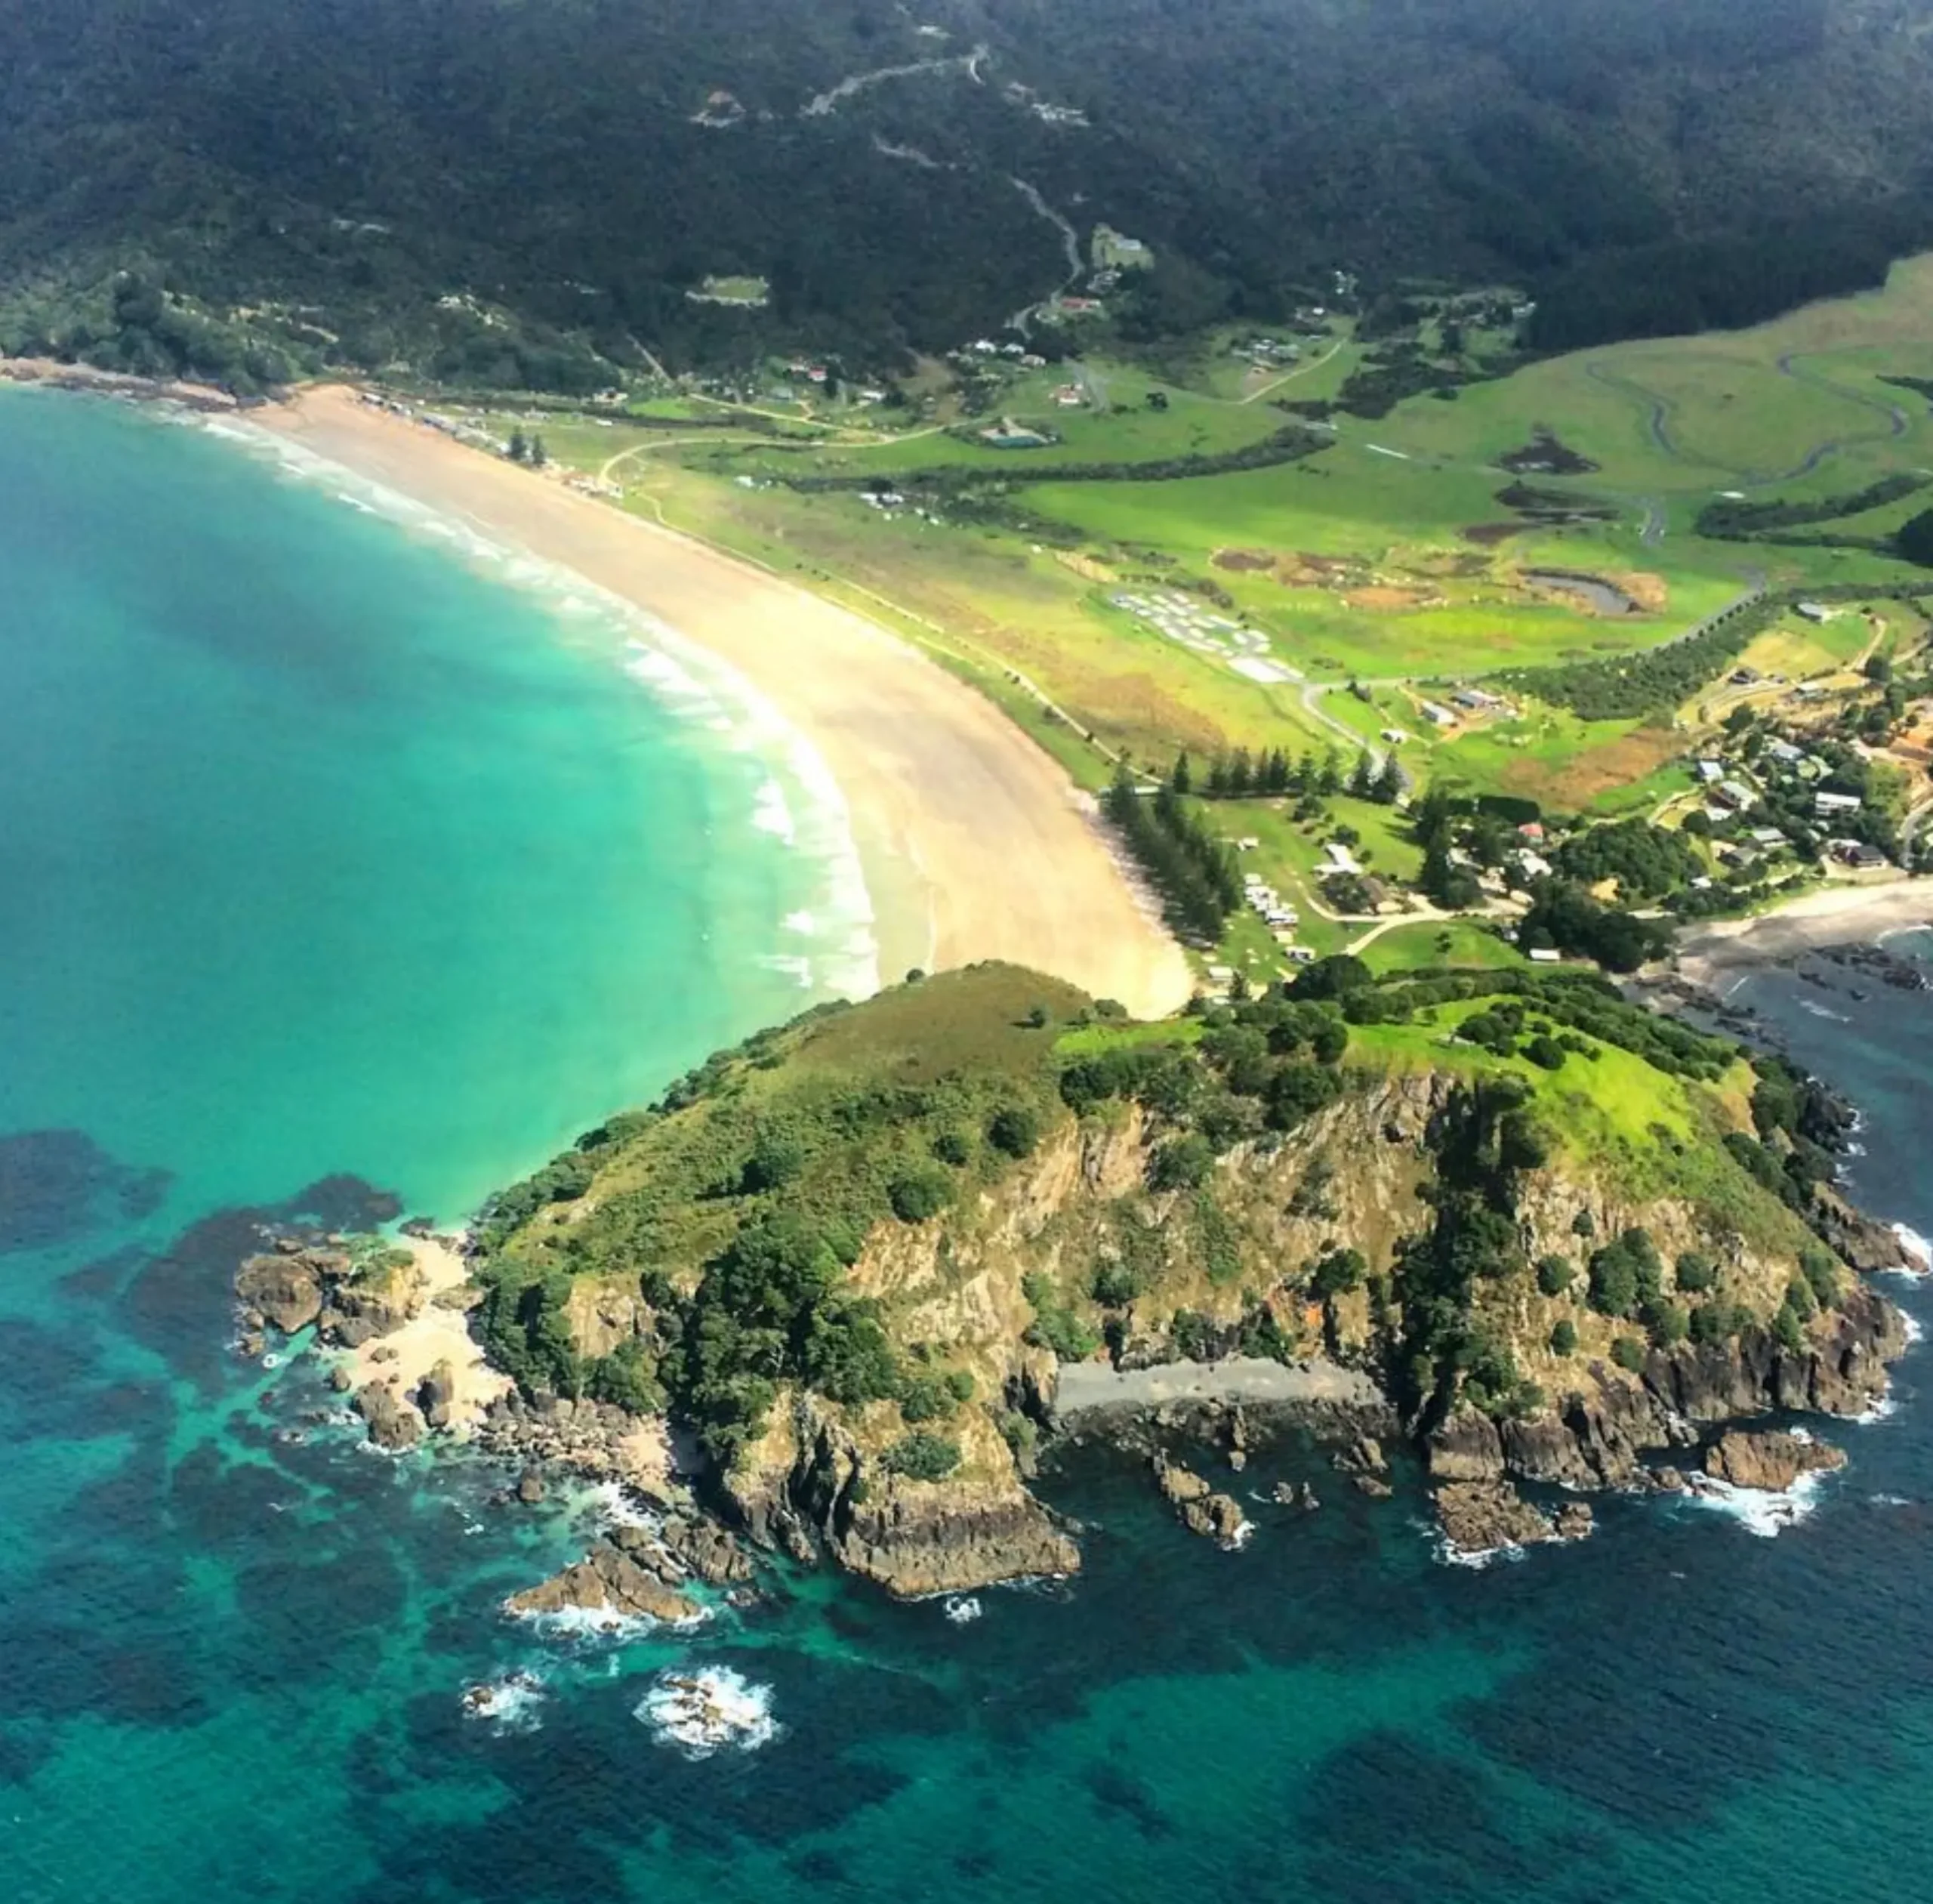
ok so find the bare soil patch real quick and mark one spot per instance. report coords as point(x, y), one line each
point(1597, 770)
point(1489, 535)
point(1244, 561)
point(1383, 597)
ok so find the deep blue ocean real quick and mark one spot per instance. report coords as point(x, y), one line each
point(333, 863)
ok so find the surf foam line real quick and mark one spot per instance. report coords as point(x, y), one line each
point(799, 804)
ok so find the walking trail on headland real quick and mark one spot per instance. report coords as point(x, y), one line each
point(975, 844)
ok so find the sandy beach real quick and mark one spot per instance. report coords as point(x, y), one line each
point(1715, 956)
point(974, 844)
point(436, 1333)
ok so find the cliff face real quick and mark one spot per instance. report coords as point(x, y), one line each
point(813, 1481)
point(1596, 1436)
point(853, 1255)
point(817, 1478)
point(1357, 1174)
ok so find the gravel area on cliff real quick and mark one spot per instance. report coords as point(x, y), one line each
point(1085, 1385)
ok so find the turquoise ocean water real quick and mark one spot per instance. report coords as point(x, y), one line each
point(339, 855)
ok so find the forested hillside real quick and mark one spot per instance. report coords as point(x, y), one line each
point(559, 175)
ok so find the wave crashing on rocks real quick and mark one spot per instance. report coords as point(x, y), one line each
point(708, 1710)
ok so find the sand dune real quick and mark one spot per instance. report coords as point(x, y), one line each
point(975, 844)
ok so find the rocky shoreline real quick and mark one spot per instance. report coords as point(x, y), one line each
point(54, 374)
point(816, 1497)
point(1598, 1442)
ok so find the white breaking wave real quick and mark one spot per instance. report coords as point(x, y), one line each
point(685, 678)
point(1916, 1245)
point(511, 1704)
point(706, 1710)
point(1760, 1510)
point(770, 813)
point(1823, 1011)
point(963, 1608)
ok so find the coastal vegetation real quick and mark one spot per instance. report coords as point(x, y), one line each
point(1463, 1182)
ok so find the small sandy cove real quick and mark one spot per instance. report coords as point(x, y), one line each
point(975, 844)
point(436, 1333)
point(1714, 956)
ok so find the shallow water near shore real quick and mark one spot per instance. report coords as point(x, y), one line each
point(403, 900)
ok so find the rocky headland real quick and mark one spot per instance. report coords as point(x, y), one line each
point(1425, 1263)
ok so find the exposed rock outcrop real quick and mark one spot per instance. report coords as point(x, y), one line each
point(809, 1484)
point(436, 1394)
point(1597, 1436)
point(1199, 1508)
point(393, 1423)
point(596, 1438)
point(1480, 1517)
point(287, 1289)
point(374, 1302)
point(608, 1580)
point(1769, 1460)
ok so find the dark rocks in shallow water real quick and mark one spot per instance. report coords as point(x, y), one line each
point(1363, 1456)
point(57, 1185)
point(342, 1381)
point(530, 1488)
point(608, 1581)
point(1372, 1485)
point(1201, 1510)
point(1771, 1460)
point(392, 1423)
point(286, 1289)
point(1480, 1517)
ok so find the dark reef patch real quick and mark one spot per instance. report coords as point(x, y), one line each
point(56, 1186)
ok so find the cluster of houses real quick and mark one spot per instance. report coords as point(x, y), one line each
point(1266, 353)
point(1183, 619)
point(984, 347)
point(1726, 796)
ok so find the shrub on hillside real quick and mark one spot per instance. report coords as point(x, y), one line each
point(920, 1456)
point(1015, 1129)
point(1556, 1274)
point(919, 1194)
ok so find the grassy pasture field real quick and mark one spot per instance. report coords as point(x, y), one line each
point(1358, 562)
point(1421, 945)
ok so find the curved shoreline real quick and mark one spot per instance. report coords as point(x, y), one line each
point(1716, 956)
point(973, 843)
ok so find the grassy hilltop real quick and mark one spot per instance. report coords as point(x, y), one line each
point(887, 1222)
